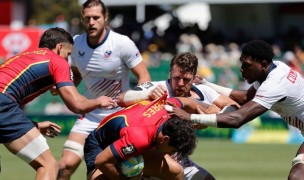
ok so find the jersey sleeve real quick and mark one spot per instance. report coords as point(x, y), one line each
point(129, 53)
point(129, 144)
point(269, 93)
point(60, 69)
point(210, 94)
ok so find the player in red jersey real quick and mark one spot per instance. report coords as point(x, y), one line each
point(140, 129)
point(24, 77)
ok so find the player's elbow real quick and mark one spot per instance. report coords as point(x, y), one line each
point(235, 121)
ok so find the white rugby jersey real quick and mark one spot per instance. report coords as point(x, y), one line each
point(105, 68)
point(206, 94)
point(283, 93)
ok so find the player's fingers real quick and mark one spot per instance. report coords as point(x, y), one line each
point(55, 126)
point(198, 108)
point(55, 130)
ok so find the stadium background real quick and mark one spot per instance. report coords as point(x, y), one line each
point(278, 22)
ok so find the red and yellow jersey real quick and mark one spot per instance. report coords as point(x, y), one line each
point(133, 130)
point(27, 75)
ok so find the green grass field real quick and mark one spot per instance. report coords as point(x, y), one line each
point(224, 159)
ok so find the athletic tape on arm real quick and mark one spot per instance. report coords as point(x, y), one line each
point(220, 89)
point(204, 119)
point(132, 96)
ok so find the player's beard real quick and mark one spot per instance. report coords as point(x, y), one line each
point(180, 93)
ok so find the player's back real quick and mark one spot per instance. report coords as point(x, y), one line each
point(26, 74)
point(144, 113)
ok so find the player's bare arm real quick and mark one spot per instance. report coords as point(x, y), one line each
point(80, 104)
point(133, 96)
point(141, 72)
point(106, 163)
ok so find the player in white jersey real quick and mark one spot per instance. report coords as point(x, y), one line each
point(275, 86)
point(103, 59)
point(183, 69)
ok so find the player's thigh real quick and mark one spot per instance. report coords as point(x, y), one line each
point(160, 165)
point(33, 149)
point(19, 143)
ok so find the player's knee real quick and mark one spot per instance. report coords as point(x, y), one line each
point(296, 172)
point(69, 162)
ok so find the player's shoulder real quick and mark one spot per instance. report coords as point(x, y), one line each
point(119, 37)
point(201, 87)
point(79, 38)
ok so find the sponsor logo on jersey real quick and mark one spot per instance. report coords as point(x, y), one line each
point(107, 54)
point(81, 54)
point(129, 149)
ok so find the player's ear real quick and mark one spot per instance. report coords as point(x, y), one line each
point(166, 138)
point(264, 64)
point(59, 48)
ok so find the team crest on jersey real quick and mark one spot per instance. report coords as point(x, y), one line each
point(81, 54)
point(107, 54)
point(129, 149)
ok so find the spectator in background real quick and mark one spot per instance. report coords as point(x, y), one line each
point(103, 59)
point(61, 22)
point(291, 60)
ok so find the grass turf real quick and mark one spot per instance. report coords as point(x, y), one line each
point(224, 159)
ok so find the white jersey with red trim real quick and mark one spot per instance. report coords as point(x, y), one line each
point(283, 93)
point(105, 71)
point(105, 68)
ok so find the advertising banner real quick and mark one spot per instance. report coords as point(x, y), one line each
point(14, 41)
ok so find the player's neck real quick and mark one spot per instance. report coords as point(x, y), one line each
point(94, 41)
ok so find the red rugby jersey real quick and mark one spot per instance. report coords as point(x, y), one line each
point(134, 130)
point(29, 74)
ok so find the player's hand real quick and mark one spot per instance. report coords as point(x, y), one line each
point(107, 102)
point(54, 91)
point(49, 129)
point(157, 92)
point(180, 113)
point(197, 79)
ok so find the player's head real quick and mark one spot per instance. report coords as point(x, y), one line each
point(58, 40)
point(180, 136)
point(183, 69)
point(256, 60)
point(94, 17)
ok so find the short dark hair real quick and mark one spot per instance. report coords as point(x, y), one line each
point(258, 50)
point(188, 62)
point(181, 133)
point(53, 36)
point(91, 3)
